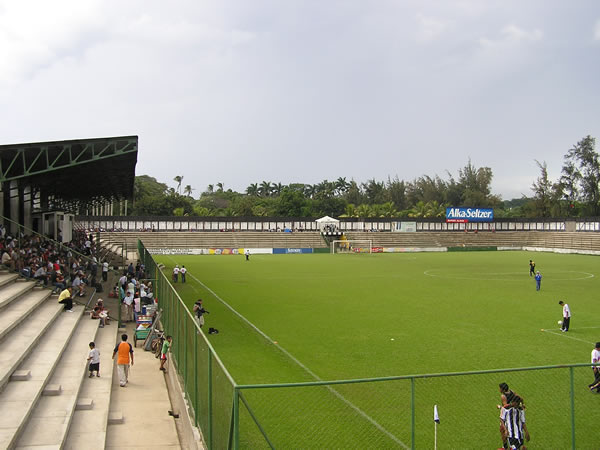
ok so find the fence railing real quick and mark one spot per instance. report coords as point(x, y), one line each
point(390, 412)
point(208, 385)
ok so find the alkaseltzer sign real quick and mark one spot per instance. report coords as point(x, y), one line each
point(469, 215)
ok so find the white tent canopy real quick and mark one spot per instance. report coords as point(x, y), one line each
point(327, 221)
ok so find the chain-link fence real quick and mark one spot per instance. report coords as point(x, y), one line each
point(397, 412)
point(392, 412)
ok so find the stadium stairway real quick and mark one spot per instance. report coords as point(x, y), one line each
point(43, 353)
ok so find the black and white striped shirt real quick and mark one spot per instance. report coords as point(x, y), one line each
point(513, 419)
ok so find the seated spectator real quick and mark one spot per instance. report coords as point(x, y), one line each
point(59, 282)
point(7, 260)
point(78, 285)
point(41, 275)
point(101, 313)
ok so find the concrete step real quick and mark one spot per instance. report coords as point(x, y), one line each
point(11, 292)
point(16, 312)
point(88, 427)
point(49, 422)
point(24, 338)
point(19, 398)
point(7, 277)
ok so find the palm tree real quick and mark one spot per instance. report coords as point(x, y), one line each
point(341, 185)
point(276, 188)
point(419, 210)
point(220, 187)
point(188, 190)
point(309, 190)
point(264, 189)
point(178, 179)
point(349, 211)
point(363, 211)
point(388, 210)
point(210, 189)
point(252, 189)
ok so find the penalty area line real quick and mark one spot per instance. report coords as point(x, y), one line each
point(305, 368)
point(562, 334)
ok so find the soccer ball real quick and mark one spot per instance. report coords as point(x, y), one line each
point(560, 322)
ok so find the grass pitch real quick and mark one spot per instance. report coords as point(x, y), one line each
point(360, 316)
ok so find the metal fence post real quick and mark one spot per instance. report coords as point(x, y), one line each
point(236, 418)
point(185, 354)
point(412, 413)
point(196, 410)
point(572, 376)
point(210, 406)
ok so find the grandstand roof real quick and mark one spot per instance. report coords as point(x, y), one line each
point(73, 172)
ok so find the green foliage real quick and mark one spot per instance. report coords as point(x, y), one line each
point(575, 193)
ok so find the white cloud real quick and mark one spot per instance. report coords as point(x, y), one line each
point(512, 35)
point(34, 34)
point(430, 28)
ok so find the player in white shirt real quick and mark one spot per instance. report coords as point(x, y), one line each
point(182, 272)
point(175, 273)
point(596, 360)
point(566, 316)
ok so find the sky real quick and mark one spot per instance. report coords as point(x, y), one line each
point(299, 91)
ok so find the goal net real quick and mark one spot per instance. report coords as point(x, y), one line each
point(352, 246)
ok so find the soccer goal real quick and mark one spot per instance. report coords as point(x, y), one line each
point(352, 246)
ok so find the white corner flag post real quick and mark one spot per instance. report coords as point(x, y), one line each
point(436, 420)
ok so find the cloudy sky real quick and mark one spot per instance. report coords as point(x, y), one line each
point(245, 91)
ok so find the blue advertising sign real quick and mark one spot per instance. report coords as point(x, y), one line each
point(287, 251)
point(469, 215)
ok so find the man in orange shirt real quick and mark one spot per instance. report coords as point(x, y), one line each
point(124, 350)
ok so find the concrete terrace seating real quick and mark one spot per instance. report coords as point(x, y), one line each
point(427, 239)
point(43, 353)
point(203, 239)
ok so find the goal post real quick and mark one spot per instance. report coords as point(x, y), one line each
point(352, 246)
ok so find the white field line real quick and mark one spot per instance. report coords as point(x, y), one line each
point(561, 334)
point(306, 369)
point(430, 273)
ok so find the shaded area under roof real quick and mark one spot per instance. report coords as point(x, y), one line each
point(73, 172)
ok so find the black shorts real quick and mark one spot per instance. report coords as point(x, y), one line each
point(515, 443)
point(94, 367)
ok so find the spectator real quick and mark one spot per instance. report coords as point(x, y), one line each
point(78, 285)
point(124, 350)
point(66, 299)
point(163, 353)
point(128, 303)
point(94, 360)
point(41, 275)
point(58, 282)
point(105, 271)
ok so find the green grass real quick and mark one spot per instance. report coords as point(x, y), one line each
point(361, 316)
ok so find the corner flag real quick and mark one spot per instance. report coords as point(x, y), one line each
point(436, 418)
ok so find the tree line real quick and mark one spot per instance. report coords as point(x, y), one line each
point(575, 193)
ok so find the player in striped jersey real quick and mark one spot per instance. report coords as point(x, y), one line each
point(513, 419)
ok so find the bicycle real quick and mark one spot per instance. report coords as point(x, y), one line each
point(157, 342)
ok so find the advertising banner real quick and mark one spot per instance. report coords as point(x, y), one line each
point(404, 227)
point(469, 215)
point(225, 251)
point(178, 251)
point(288, 251)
